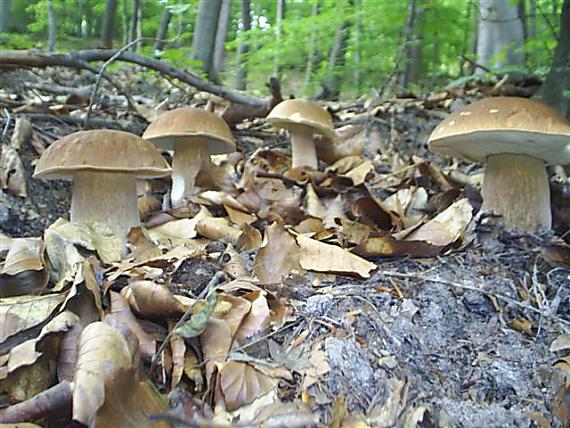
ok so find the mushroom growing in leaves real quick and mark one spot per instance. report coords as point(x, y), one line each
point(194, 135)
point(103, 166)
point(302, 119)
point(517, 138)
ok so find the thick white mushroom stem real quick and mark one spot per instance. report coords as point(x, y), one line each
point(303, 147)
point(105, 197)
point(188, 157)
point(517, 188)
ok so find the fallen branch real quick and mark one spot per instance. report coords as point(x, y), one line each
point(72, 120)
point(80, 59)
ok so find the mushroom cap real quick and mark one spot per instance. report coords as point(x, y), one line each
point(502, 125)
point(191, 125)
point(296, 112)
point(101, 150)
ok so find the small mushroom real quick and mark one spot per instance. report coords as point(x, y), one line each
point(193, 134)
point(302, 119)
point(103, 166)
point(516, 137)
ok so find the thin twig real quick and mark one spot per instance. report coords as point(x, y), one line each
point(498, 296)
point(214, 282)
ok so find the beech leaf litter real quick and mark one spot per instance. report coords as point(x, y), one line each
point(372, 292)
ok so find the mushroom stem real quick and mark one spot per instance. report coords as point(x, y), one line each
point(517, 188)
point(106, 197)
point(303, 147)
point(188, 157)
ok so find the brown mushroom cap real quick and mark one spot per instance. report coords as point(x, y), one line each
point(502, 125)
point(101, 150)
point(302, 112)
point(184, 124)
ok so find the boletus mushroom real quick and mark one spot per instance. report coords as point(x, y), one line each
point(193, 134)
point(517, 138)
point(103, 166)
point(302, 119)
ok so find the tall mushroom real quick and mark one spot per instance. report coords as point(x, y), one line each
point(517, 137)
point(103, 166)
point(302, 119)
point(194, 135)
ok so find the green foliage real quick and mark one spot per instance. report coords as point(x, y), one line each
point(375, 33)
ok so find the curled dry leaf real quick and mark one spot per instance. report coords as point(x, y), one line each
point(68, 353)
point(241, 384)
point(387, 246)
point(372, 213)
point(447, 227)
point(218, 228)
point(129, 403)
point(24, 312)
point(151, 300)
point(321, 257)
point(23, 271)
point(349, 141)
point(28, 352)
point(102, 350)
point(121, 311)
point(91, 236)
point(293, 415)
point(234, 264)
point(177, 232)
point(12, 176)
point(178, 351)
point(249, 239)
point(258, 318)
point(278, 257)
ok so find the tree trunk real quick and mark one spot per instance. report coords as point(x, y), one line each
point(500, 29)
point(108, 26)
point(221, 36)
point(52, 26)
point(332, 86)
point(358, 47)
point(134, 22)
point(531, 20)
point(414, 48)
point(139, 25)
point(205, 35)
point(125, 16)
point(556, 88)
point(162, 32)
point(312, 49)
point(243, 47)
point(5, 16)
point(278, 32)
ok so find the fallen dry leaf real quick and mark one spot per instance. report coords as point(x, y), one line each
point(24, 268)
point(320, 257)
point(151, 300)
point(258, 318)
point(12, 175)
point(241, 384)
point(278, 257)
point(129, 403)
point(102, 350)
point(447, 227)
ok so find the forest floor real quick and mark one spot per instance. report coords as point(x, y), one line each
point(476, 335)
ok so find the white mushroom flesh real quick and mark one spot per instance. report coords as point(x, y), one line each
point(188, 157)
point(516, 187)
point(303, 147)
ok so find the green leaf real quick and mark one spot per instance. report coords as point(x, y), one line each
point(197, 322)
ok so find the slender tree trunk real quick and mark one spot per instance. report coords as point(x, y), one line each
point(312, 49)
point(134, 22)
point(531, 20)
point(52, 26)
point(278, 32)
point(332, 86)
point(162, 32)
point(414, 51)
point(5, 15)
point(125, 16)
point(243, 47)
point(500, 29)
point(205, 34)
point(139, 25)
point(556, 88)
point(221, 36)
point(358, 47)
point(108, 26)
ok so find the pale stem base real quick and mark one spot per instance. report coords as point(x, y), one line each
point(303, 148)
point(188, 158)
point(109, 198)
point(517, 188)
